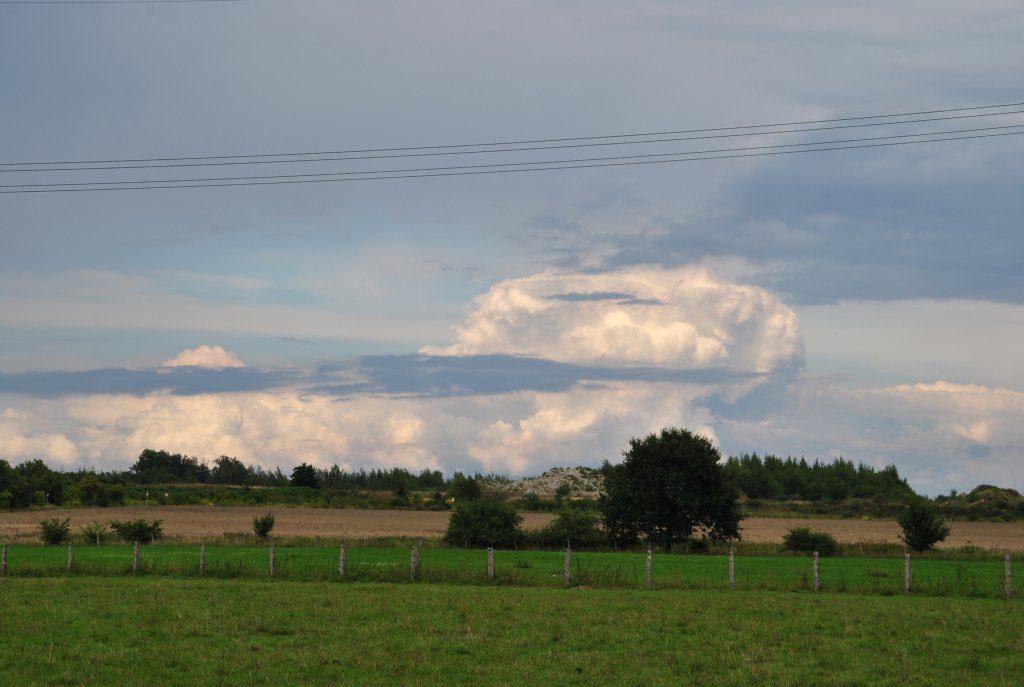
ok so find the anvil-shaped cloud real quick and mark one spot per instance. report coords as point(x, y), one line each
point(679, 318)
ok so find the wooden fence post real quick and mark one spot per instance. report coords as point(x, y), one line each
point(568, 566)
point(1008, 585)
point(490, 563)
point(271, 560)
point(3, 560)
point(732, 569)
point(135, 558)
point(202, 558)
point(906, 573)
point(342, 560)
point(71, 558)
point(414, 563)
point(650, 556)
point(817, 573)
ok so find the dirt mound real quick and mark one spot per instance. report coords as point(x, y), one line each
point(581, 482)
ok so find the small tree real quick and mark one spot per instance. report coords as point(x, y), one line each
point(574, 526)
point(484, 522)
point(138, 530)
point(463, 488)
point(95, 531)
point(55, 531)
point(305, 476)
point(262, 524)
point(923, 527)
point(806, 540)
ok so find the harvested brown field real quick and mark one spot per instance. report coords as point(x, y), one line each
point(987, 535)
point(194, 522)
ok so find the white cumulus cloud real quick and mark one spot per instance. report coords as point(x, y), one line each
point(683, 318)
point(213, 357)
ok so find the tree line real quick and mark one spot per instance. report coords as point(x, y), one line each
point(767, 479)
point(772, 477)
point(33, 483)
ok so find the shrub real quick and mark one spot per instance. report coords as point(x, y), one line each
point(922, 525)
point(138, 530)
point(262, 524)
point(806, 540)
point(55, 531)
point(95, 531)
point(484, 522)
point(577, 527)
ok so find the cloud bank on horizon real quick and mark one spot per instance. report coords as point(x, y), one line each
point(517, 392)
point(865, 303)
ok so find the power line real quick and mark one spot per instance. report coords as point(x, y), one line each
point(235, 162)
point(504, 170)
point(107, 2)
point(538, 141)
point(534, 163)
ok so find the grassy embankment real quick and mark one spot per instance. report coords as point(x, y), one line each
point(982, 577)
point(145, 631)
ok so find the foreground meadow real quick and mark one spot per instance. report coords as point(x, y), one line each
point(981, 576)
point(144, 631)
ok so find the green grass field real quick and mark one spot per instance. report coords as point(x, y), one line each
point(603, 570)
point(171, 631)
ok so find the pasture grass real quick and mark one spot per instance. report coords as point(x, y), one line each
point(149, 630)
point(612, 570)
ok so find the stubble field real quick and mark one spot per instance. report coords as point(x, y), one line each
point(197, 522)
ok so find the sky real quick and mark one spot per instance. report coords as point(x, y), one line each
point(864, 303)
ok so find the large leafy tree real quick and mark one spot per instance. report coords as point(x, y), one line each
point(669, 488)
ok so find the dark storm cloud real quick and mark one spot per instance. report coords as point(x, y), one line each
point(180, 381)
point(440, 376)
point(937, 224)
point(595, 296)
point(498, 374)
point(620, 298)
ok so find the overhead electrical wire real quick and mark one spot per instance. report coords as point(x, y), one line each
point(291, 179)
point(499, 166)
point(109, 2)
point(229, 161)
point(554, 140)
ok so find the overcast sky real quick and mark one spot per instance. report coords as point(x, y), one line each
point(865, 303)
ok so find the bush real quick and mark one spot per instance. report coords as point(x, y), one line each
point(923, 526)
point(484, 522)
point(95, 531)
point(262, 524)
point(806, 540)
point(138, 530)
point(577, 527)
point(54, 531)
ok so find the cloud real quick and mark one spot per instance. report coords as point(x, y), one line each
point(678, 318)
point(212, 357)
point(669, 343)
point(521, 432)
point(483, 403)
point(940, 435)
